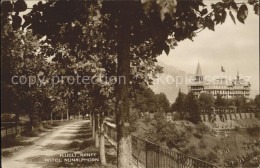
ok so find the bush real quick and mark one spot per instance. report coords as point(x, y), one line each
point(216, 148)
point(212, 157)
point(189, 128)
point(202, 128)
point(176, 139)
point(253, 131)
point(147, 119)
point(197, 135)
point(237, 129)
point(202, 144)
point(191, 150)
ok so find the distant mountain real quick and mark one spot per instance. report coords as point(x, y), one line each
point(171, 81)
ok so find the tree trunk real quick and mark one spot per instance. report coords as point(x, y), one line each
point(96, 131)
point(62, 116)
point(51, 119)
point(124, 149)
point(31, 121)
point(68, 115)
point(18, 133)
point(90, 118)
point(102, 150)
point(40, 125)
point(93, 127)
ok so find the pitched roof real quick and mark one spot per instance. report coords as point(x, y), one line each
point(198, 71)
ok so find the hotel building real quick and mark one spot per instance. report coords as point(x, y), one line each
point(221, 85)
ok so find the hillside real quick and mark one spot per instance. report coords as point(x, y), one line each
point(238, 148)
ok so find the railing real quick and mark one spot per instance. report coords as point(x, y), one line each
point(149, 155)
point(12, 129)
point(110, 132)
point(229, 110)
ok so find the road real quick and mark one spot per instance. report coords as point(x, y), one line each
point(52, 145)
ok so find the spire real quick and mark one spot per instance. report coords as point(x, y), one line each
point(198, 75)
point(198, 71)
point(238, 74)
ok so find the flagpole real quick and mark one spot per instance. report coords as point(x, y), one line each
point(220, 70)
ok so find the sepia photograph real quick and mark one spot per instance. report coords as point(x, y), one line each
point(130, 84)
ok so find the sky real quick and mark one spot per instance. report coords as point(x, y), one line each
point(235, 47)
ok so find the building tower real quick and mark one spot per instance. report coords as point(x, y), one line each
point(198, 75)
point(238, 74)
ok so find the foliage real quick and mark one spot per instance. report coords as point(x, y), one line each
point(253, 131)
point(206, 100)
point(257, 100)
point(134, 116)
point(202, 128)
point(162, 102)
point(220, 101)
point(192, 108)
point(160, 122)
point(7, 118)
point(177, 139)
point(179, 104)
point(191, 150)
point(147, 101)
point(202, 144)
point(20, 58)
point(166, 132)
point(213, 157)
point(197, 135)
point(239, 102)
point(189, 128)
point(188, 106)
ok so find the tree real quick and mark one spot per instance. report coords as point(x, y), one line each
point(257, 100)
point(192, 108)
point(162, 102)
point(164, 131)
point(130, 24)
point(179, 105)
point(145, 100)
point(240, 102)
point(220, 101)
point(206, 100)
point(23, 61)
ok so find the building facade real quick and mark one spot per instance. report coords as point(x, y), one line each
point(220, 86)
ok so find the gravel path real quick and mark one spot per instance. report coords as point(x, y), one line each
point(35, 156)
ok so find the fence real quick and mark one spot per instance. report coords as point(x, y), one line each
point(149, 155)
point(11, 128)
point(110, 132)
point(229, 110)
